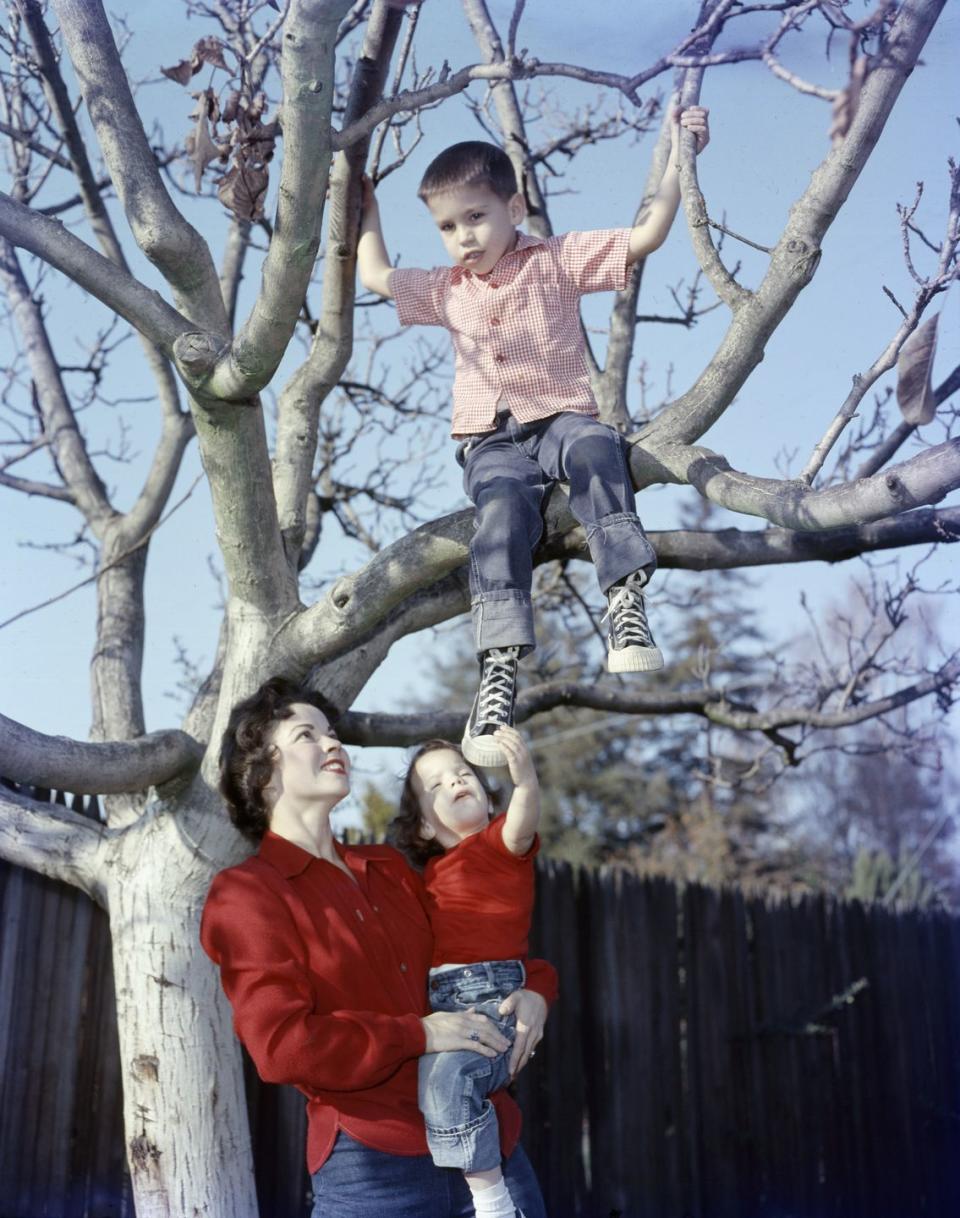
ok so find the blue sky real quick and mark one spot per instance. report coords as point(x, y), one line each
point(766, 141)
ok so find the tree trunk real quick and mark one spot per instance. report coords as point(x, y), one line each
point(188, 1144)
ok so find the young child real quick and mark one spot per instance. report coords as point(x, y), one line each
point(479, 880)
point(523, 409)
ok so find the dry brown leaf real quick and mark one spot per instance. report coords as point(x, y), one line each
point(209, 50)
point(208, 104)
point(180, 72)
point(231, 107)
point(914, 367)
point(202, 149)
point(243, 189)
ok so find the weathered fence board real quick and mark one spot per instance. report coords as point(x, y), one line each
point(701, 1063)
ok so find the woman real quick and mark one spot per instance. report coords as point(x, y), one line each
point(324, 952)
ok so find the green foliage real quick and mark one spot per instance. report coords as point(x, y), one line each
point(377, 811)
point(875, 873)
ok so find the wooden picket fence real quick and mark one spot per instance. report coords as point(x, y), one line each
point(712, 1056)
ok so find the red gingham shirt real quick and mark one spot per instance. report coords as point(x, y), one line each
point(516, 330)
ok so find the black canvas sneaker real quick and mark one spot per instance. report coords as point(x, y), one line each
point(630, 645)
point(492, 707)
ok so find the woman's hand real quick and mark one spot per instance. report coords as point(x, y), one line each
point(447, 1030)
point(530, 1009)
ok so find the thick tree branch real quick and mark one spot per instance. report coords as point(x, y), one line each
point(517, 68)
point(308, 388)
point(172, 245)
point(28, 756)
point(925, 478)
point(49, 839)
point(731, 549)
point(307, 67)
point(510, 117)
point(143, 308)
point(614, 697)
point(797, 253)
point(417, 581)
point(694, 205)
point(611, 384)
point(66, 445)
point(90, 187)
point(29, 486)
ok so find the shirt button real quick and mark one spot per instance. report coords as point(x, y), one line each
point(494, 285)
point(494, 321)
point(376, 909)
point(403, 968)
point(500, 359)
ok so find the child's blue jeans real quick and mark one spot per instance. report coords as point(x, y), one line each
point(462, 1128)
point(506, 473)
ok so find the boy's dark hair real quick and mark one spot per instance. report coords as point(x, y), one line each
point(246, 752)
point(471, 163)
point(406, 829)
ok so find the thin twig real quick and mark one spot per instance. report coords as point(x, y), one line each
point(722, 228)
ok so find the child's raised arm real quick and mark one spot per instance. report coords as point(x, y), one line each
point(373, 261)
point(523, 811)
point(651, 230)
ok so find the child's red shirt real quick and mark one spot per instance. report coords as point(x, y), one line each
point(480, 898)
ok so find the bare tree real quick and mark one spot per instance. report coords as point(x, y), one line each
point(164, 836)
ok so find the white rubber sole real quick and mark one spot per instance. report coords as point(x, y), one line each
point(479, 752)
point(634, 659)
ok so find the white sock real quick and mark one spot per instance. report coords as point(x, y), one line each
point(494, 1202)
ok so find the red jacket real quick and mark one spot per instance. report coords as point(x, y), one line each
point(328, 982)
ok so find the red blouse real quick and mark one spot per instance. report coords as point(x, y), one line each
point(328, 981)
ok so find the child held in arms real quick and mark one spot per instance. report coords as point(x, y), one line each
point(523, 410)
point(479, 877)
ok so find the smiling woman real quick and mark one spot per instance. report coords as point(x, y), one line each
point(324, 952)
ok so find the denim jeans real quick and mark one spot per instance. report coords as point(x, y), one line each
point(359, 1182)
point(506, 474)
point(462, 1128)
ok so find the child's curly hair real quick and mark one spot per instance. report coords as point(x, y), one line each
point(406, 829)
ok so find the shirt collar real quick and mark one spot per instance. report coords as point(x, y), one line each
point(287, 857)
point(291, 860)
point(524, 242)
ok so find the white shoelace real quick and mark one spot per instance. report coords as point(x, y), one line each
point(496, 686)
point(628, 616)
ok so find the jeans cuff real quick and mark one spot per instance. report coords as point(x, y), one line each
point(471, 1147)
point(503, 619)
point(618, 547)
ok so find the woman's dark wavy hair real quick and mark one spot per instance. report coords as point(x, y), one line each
point(471, 163)
point(247, 753)
point(406, 829)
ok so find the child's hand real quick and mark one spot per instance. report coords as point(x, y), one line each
point(695, 119)
point(519, 762)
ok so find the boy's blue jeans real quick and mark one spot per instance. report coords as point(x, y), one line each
point(462, 1128)
point(506, 474)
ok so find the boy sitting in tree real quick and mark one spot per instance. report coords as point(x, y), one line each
point(523, 410)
